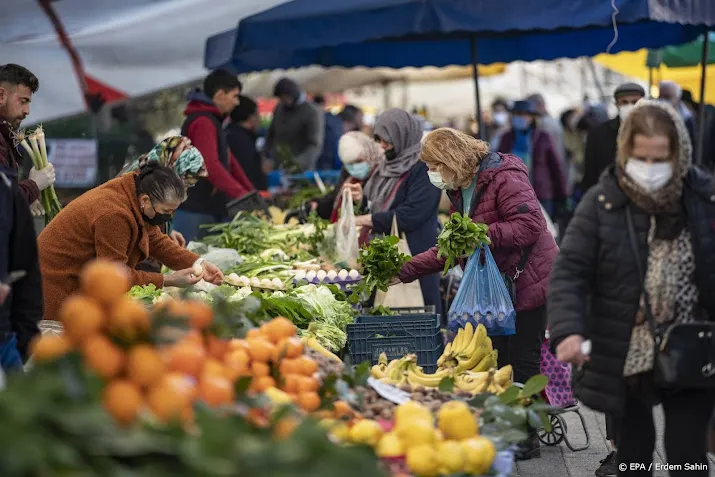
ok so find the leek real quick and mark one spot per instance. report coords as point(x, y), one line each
point(35, 146)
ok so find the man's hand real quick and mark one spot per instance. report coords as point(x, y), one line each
point(178, 238)
point(37, 209)
point(44, 178)
point(569, 351)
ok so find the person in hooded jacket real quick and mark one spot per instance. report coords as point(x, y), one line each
point(226, 180)
point(242, 134)
point(297, 125)
point(537, 150)
point(597, 291)
point(399, 187)
point(494, 189)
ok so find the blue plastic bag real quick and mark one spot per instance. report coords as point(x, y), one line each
point(482, 297)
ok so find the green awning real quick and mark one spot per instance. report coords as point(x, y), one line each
point(680, 56)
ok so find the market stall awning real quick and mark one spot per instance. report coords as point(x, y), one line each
point(634, 64)
point(399, 33)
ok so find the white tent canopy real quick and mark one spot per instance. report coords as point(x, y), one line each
point(133, 46)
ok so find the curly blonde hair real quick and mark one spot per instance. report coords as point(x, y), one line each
point(446, 149)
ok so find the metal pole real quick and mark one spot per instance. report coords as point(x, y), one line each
point(475, 75)
point(650, 82)
point(701, 112)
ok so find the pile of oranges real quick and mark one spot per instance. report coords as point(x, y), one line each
point(113, 333)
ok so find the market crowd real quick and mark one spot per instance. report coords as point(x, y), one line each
point(633, 265)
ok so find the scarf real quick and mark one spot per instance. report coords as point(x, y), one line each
point(404, 132)
point(175, 152)
point(670, 273)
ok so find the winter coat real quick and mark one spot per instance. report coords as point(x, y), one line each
point(510, 208)
point(242, 143)
point(226, 179)
point(301, 129)
point(596, 287)
point(22, 309)
point(106, 223)
point(415, 206)
point(547, 172)
point(10, 158)
point(600, 152)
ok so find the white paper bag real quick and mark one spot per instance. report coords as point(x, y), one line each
point(403, 294)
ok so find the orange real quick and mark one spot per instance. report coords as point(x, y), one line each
point(49, 348)
point(291, 383)
point(81, 317)
point(129, 319)
point(123, 401)
point(199, 313)
point(216, 347)
point(289, 366)
point(259, 369)
point(166, 404)
point(254, 333)
point(237, 356)
point(260, 349)
point(180, 384)
point(187, 357)
point(215, 390)
point(278, 328)
point(307, 365)
point(261, 383)
point(144, 365)
point(309, 401)
point(105, 281)
point(289, 348)
point(285, 427)
point(193, 336)
point(342, 409)
point(103, 357)
point(308, 384)
point(214, 368)
point(235, 343)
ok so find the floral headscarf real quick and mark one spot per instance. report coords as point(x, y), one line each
point(177, 153)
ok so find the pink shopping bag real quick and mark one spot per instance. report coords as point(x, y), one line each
point(558, 390)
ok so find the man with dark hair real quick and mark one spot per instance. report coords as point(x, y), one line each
point(242, 134)
point(205, 114)
point(352, 118)
point(297, 126)
point(17, 85)
point(329, 158)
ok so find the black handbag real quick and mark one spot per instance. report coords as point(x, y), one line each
point(684, 355)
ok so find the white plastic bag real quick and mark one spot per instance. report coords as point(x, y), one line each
point(346, 236)
point(403, 294)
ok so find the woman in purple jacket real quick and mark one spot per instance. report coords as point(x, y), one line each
point(535, 147)
point(497, 192)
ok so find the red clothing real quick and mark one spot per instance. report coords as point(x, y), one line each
point(510, 207)
point(203, 135)
point(11, 158)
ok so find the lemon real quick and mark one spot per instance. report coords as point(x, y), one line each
point(479, 453)
point(412, 410)
point(422, 461)
point(367, 432)
point(450, 455)
point(389, 446)
point(416, 433)
point(340, 431)
point(456, 421)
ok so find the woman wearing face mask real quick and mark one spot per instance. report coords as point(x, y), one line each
point(119, 221)
point(605, 291)
point(400, 188)
point(535, 147)
point(494, 189)
point(359, 154)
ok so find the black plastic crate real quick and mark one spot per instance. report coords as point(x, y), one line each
point(413, 330)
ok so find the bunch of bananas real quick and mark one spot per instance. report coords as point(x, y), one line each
point(470, 360)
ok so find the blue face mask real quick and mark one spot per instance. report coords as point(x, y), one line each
point(358, 170)
point(520, 123)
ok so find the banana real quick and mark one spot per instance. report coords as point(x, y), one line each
point(473, 384)
point(378, 371)
point(312, 343)
point(458, 342)
point(468, 335)
point(489, 361)
point(503, 375)
point(469, 362)
point(479, 338)
point(416, 377)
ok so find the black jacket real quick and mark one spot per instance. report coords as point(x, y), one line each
point(595, 285)
point(22, 310)
point(600, 151)
point(242, 143)
point(327, 201)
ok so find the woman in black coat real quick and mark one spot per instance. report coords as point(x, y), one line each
point(597, 292)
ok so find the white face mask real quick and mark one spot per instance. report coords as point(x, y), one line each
point(624, 111)
point(650, 177)
point(436, 179)
point(501, 118)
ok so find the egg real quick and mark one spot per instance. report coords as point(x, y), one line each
point(354, 274)
point(255, 282)
point(332, 275)
point(310, 276)
point(321, 275)
point(197, 269)
point(277, 283)
point(234, 278)
point(299, 275)
point(244, 281)
point(266, 283)
point(343, 274)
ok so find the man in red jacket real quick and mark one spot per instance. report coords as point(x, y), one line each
point(17, 85)
point(205, 113)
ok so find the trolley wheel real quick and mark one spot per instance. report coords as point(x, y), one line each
point(556, 436)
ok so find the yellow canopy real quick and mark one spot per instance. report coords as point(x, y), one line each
point(634, 64)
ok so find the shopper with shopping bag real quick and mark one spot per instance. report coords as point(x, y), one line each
point(401, 295)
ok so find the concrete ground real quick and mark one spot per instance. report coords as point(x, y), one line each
point(559, 461)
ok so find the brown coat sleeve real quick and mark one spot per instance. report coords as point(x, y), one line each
point(112, 236)
point(168, 252)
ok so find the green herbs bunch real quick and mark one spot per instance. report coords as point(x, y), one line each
point(460, 238)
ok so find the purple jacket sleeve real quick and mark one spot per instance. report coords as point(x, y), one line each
point(422, 264)
point(522, 220)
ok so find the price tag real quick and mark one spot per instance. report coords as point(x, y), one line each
point(388, 391)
